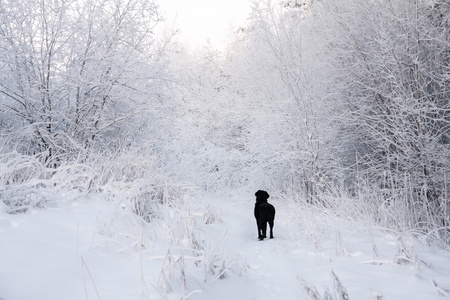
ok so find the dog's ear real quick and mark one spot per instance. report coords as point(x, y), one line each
point(266, 195)
point(258, 193)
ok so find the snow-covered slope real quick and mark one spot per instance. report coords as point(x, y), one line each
point(93, 249)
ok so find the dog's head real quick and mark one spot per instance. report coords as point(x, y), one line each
point(262, 195)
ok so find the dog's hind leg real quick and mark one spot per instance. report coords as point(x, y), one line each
point(271, 228)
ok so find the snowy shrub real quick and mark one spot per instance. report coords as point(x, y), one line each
point(406, 255)
point(214, 262)
point(181, 228)
point(25, 183)
point(339, 291)
point(210, 216)
point(130, 177)
point(173, 269)
point(310, 290)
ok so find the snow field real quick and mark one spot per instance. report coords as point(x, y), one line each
point(95, 249)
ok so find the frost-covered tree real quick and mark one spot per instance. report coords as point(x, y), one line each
point(285, 77)
point(392, 59)
point(75, 75)
point(209, 148)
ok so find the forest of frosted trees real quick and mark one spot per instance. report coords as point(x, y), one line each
point(341, 104)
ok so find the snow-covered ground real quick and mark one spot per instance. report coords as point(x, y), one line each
point(95, 249)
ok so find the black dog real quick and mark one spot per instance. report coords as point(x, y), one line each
point(264, 213)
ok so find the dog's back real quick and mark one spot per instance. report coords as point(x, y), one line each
point(266, 211)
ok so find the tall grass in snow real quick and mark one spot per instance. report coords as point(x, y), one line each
point(152, 212)
point(399, 212)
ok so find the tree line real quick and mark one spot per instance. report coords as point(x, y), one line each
point(324, 100)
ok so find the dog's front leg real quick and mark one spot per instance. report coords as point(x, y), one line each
point(259, 229)
point(264, 230)
point(271, 229)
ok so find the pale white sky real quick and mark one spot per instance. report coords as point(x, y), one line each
point(200, 20)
